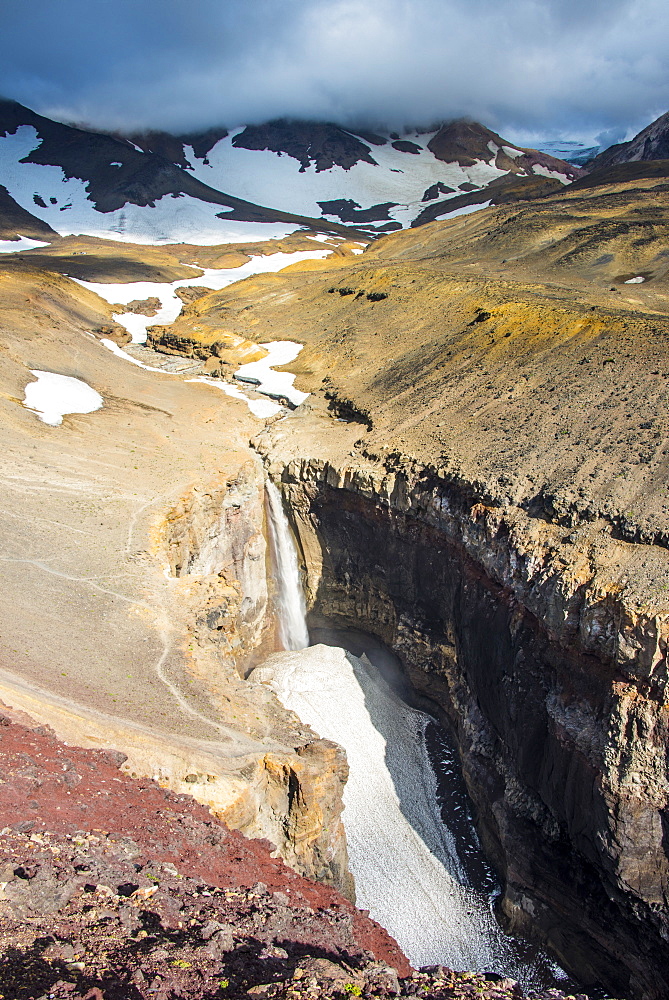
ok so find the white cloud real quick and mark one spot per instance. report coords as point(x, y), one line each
point(523, 66)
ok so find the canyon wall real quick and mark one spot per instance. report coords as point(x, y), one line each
point(288, 783)
point(554, 684)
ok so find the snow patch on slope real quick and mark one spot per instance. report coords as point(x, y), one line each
point(120, 353)
point(52, 396)
point(545, 172)
point(465, 210)
point(261, 408)
point(269, 382)
point(23, 243)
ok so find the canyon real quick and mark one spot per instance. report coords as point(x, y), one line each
point(477, 477)
point(508, 544)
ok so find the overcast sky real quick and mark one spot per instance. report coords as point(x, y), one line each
point(528, 68)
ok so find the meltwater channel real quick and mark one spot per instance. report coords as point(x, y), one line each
point(413, 848)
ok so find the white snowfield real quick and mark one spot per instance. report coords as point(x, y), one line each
point(23, 243)
point(70, 212)
point(404, 860)
point(52, 396)
point(268, 178)
point(261, 177)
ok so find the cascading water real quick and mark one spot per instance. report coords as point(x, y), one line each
point(291, 608)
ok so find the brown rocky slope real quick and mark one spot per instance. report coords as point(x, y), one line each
point(116, 889)
point(480, 478)
point(106, 519)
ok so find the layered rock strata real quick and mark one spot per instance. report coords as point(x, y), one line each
point(554, 684)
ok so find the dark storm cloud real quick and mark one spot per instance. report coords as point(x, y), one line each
point(528, 67)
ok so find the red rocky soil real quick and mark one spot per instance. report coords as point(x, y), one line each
point(115, 889)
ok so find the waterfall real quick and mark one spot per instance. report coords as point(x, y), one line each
point(290, 597)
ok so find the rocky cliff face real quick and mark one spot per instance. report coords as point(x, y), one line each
point(555, 685)
point(289, 790)
point(652, 143)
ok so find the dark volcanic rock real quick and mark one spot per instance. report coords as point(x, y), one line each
point(14, 220)
point(464, 142)
point(405, 146)
point(433, 192)
point(324, 145)
point(620, 173)
point(172, 146)
point(88, 156)
point(349, 211)
point(371, 137)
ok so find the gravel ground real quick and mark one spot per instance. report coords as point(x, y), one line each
point(115, 889)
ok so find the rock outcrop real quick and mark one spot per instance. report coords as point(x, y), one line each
point(114, 888)
point(289, 792)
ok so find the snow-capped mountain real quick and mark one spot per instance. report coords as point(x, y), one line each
point(258, 181)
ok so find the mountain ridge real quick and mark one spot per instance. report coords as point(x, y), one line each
point(284, 173)
point(651, 143)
